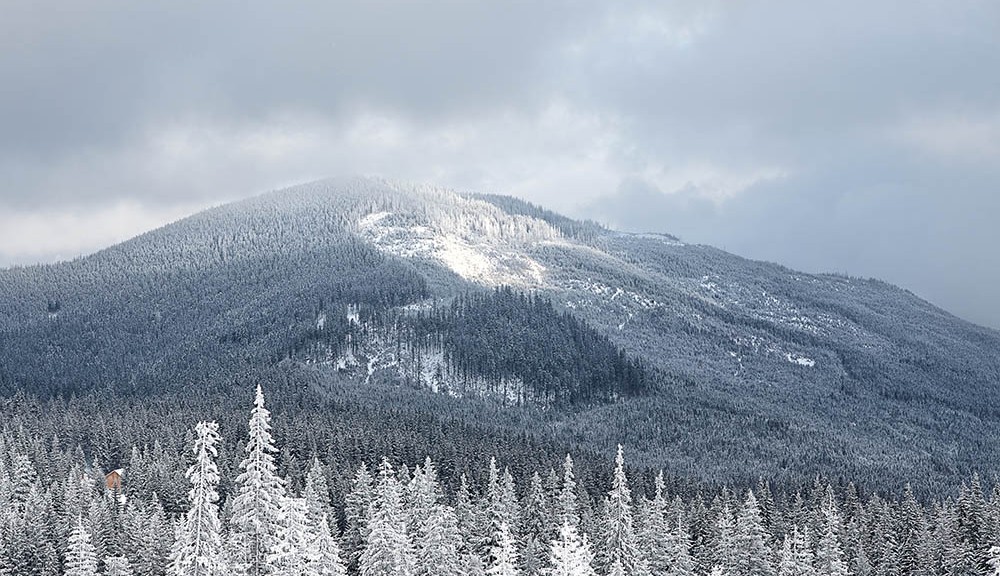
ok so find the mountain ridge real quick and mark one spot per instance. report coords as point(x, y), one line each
point(754, 364)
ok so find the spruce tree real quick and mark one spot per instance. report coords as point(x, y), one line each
point(201, 553)
point(653, 536)
point(388, 548)
point(829, 555)
point(256, 515)
point(536, 532)
point(357, 506)
point(118, 566)
point(504, 556)
point(290, 554)
point(571, 554)
point(81, 557)
point(753, 553)
point(323, 551)
point(317, 493)
point(618, 546)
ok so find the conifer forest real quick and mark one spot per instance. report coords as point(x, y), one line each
point(385, 517)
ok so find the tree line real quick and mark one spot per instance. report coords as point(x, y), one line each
point(396, 520)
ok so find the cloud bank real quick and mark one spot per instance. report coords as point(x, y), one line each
point(859, 137)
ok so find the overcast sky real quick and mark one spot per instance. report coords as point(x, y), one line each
point(856, 137)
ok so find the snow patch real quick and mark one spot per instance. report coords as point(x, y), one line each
point(460, 249)
point(800, 360)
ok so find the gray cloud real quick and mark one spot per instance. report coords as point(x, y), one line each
point(850, 136)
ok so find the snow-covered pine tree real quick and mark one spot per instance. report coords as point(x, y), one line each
point(323, 550)
point(915, 546)
point(201, 551)
point(81, 557)
point(571, 554)
point(433, 526)
point(357, 506)
point(153, 543)
point(829, 554)
point(256, 515)
point(536, 527)
point(653, 533)
point(424, 492)
point(725, 553)
point(567, 507)
point(618, 543)
point(175, 561)
point(317, 493)
point(117, 566)
point(466, 514)
point(683, 563)
point(504, 555)
point(752, 550)
point(438, 544)
point(994, 560)
point(508, 499)
point(388, 548)
point(290, 554)
point(795, 558)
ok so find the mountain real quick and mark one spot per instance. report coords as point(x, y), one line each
point(489, 314)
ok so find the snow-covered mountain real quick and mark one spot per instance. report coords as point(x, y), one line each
point(702, 360)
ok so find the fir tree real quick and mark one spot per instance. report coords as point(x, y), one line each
point(81, 557)
point(536, 527)
point(290, 555)
point(388, 548)
point(256, 517)
point(323, 551)
point(357, 506)
point(829, 555)
point(568, 510)
point(571, 554)
point(654, 537)
point(619, 545)
point(117, 566)
point(753, 553)
point(504, 555)
point(317, 493)
point(200, 553)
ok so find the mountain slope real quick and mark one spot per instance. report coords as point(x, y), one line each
point(710, 364)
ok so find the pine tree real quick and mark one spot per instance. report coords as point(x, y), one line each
point(571, 554)
point(388, 548)
point(153, 543)
point(81, 557)
point(619, 545)
point(438, 544)
point(117, 566)
point(290, 554)
point(201, 552)
point(504, 555)
point(357, 505)
point(829, 555)
point(536, 530)
point(751, 542)
point(725, 552)
point(256, 515)
point(568, 510)
point(317, 493)
point(796, 557)
point(654, 537)
point(323, 550)
point(679, 551)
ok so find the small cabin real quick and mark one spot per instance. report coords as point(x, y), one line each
point(113, 481)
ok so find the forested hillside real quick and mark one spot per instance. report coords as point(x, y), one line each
point(491, 313)
point(227, 507)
